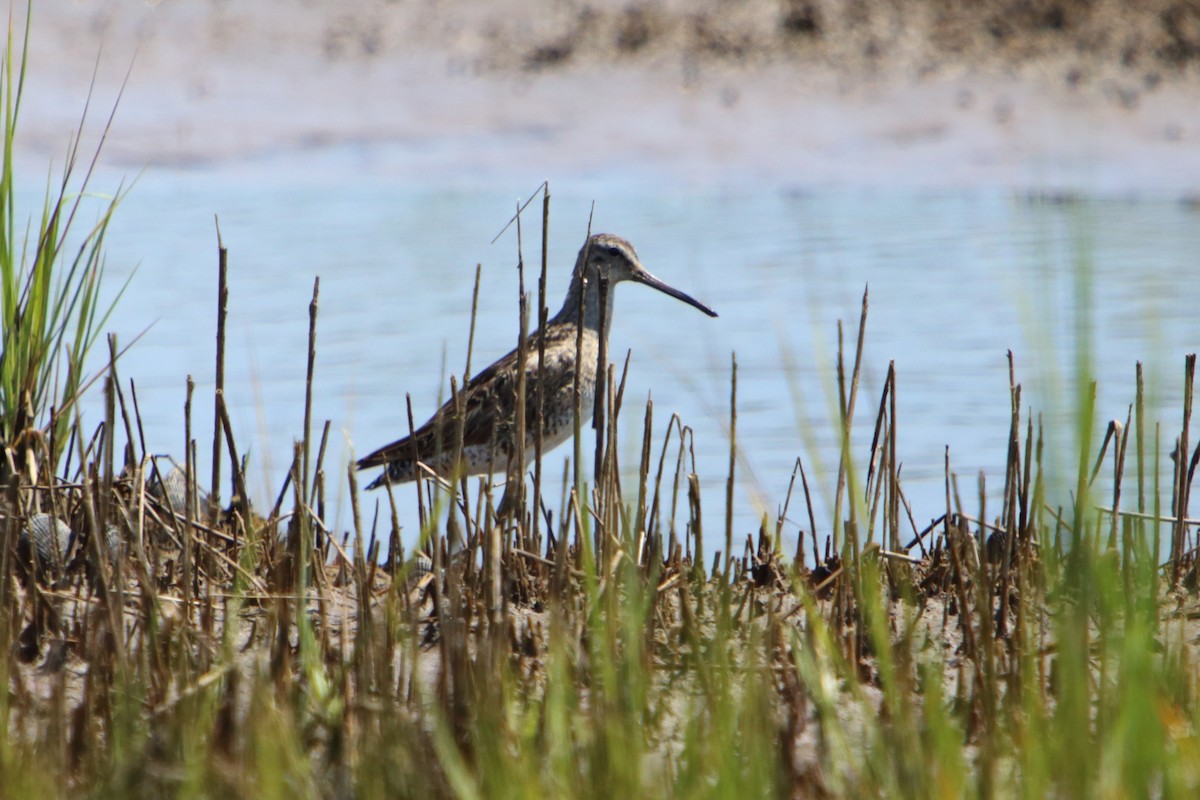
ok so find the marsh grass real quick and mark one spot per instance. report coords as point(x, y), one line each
point(605, 646)
point(1036, 648)
point(50, 277)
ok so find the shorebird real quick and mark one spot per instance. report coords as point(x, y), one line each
point(490, 398)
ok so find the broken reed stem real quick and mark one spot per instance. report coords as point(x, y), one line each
point(1140, 439)
point(457, 481)
point(696, 526)
point(418, 481)
point(577, 394)
point(1156, 552)
point(653, 521)
point(239, 475)
point(986, 585)
point(539, 444)
point(456, 488)
point(110, 421)
point(640, 526)
point(843, 446)
point(362, 583)
point(616, 396)
point(1115, 432)
point(783, 512)
point(214, 504)
point(894, 476)
point(137, 415)
point(1025, 523)
point(318, 476)
point(188, 511)
point(1012, 475)
point(515, 485)
point(812, 520)
point(471, 328)
point(131, 456)
point(200, 568)
point(516, 468)
point(846, 407)
point(608, 483)
point(599, 395)
point(308, 387)
point(951, 543)
point(875, 459)
point(318, 473)
point(1180, 527)
point(875, 495)
point(729, 481)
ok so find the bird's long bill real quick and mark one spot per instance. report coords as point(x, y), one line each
point(641, 276)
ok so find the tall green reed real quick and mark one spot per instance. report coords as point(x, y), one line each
point(50, 280)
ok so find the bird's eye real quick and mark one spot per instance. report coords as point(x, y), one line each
point(613, 251)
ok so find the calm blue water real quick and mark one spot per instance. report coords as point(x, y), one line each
point(956, 279)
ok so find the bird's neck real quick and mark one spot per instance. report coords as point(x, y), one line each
point(582, 305)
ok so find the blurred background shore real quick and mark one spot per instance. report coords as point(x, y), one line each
point(1096, 96)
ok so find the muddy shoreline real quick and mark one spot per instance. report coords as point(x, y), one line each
point(1071, 96)
point(1148, 43)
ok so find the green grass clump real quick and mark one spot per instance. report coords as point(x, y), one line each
point(50, 281)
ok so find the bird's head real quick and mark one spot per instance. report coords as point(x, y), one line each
point(614, 259)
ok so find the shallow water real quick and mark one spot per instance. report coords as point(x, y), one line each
point(956, 279)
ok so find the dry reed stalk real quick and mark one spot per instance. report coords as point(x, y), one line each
point(289, 579)
point(365, 676)
point(918, 539)
point(986, 586)
point(812, 520)
point(598, 401)
point(957, 570)
point(1121, 433)
point(186, 535)
point(577, 393)
point(1025, 521)
point(459, 489)
point(875, 459)
point(108, 445)
point(214, 504)
point(653, 521)
point(1009, 511)
point(1140, 437)
point(539, 443)
point(696, 527)
point(1157, 550)
point(846, 408)
point(319, 544)
point(798, 559)
point(894, 476)
point(515, 486)
point(131, 457)
point(874, 494)
point(616, 397)
point(729, 480)
point(418, 481)
point(641, 510)
point(1181, 482)
point(310, 366)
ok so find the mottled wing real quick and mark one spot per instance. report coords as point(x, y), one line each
point(490, 400)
